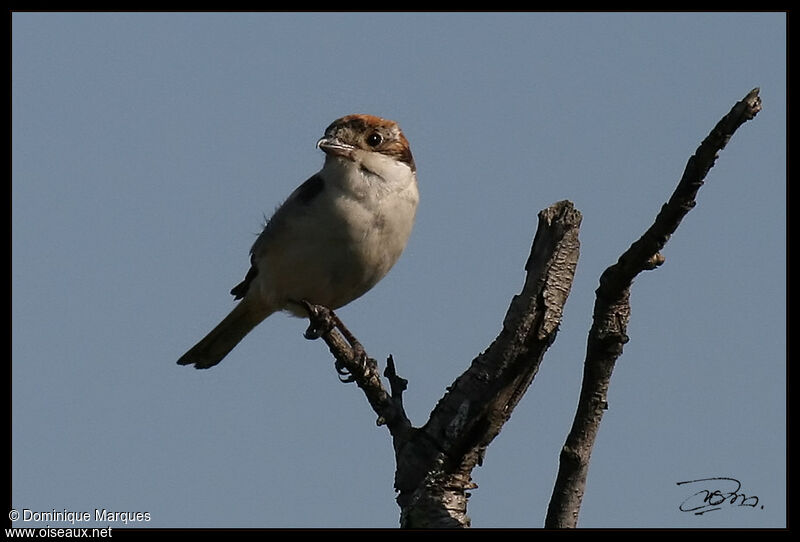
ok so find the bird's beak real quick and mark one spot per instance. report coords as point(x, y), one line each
point(334, 146)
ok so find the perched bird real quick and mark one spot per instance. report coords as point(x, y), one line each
point(333, 239)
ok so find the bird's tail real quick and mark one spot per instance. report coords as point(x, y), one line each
point(221, 340)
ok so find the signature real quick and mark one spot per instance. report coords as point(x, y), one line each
point(714, 494)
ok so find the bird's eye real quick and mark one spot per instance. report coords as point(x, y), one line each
point(374, 139)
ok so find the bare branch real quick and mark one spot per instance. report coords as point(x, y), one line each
point(435, 465)
point(352, 360)
point(612, 312)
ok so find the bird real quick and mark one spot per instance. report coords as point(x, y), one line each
point(332, 239)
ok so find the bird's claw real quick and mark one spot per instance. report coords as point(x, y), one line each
point(359, 358)
point(345, 376)
point(312, 333)
point(320, 321)
point(359, 355)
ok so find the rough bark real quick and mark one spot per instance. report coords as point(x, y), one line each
point(435, 461)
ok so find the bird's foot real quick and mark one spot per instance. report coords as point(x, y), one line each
point(322, 320)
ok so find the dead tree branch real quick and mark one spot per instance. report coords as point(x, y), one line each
point(435, 462)
point(612, 312)
point(352, 360)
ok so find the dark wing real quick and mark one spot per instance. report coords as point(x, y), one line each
point(240, 290)
point(304, 194)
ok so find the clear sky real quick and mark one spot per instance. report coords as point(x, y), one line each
point(147, 148)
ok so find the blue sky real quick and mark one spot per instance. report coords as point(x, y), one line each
point(147, 148)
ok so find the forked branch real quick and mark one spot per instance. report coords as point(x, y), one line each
point(434, 462)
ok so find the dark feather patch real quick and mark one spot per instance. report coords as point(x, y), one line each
point(310, 189)
point(240, 290)
point(305, 193)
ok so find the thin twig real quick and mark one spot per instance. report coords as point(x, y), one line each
point(353, 362)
